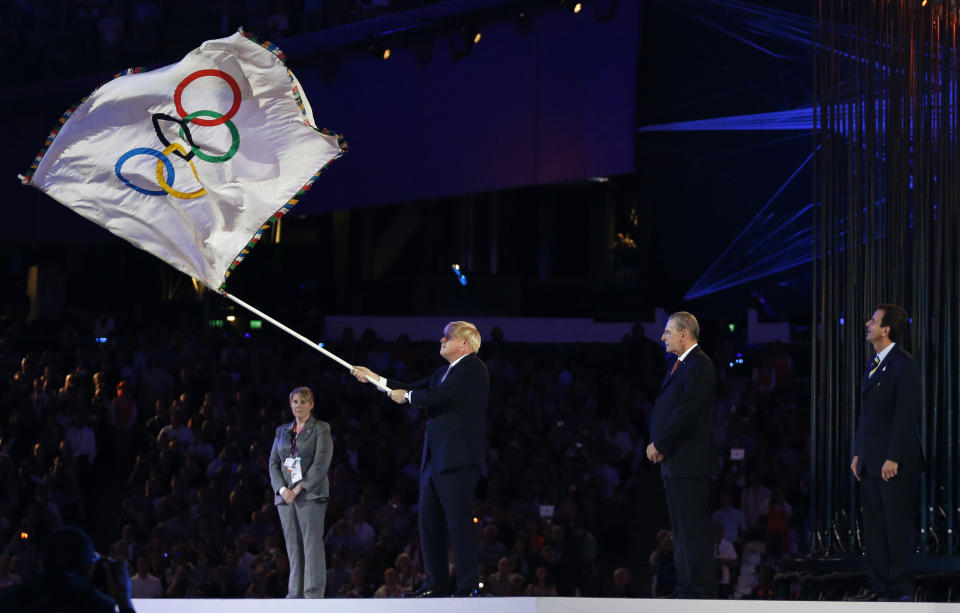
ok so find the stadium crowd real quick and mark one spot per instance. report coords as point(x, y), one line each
point(153, 435)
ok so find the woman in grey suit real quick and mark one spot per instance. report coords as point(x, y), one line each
point(298, 473)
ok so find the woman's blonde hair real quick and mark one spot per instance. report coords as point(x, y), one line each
point(304, 392)
point(464, 330)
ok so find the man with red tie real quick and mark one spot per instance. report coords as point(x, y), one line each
point(681, 435)
point(887, 457)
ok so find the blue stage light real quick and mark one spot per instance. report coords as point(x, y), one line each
point(773, 241)
point(462, 278)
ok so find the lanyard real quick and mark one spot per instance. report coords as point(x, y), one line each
point(293, 442)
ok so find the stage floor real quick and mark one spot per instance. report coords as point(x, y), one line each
point(532, 605)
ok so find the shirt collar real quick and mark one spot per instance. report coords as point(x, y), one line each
point(687, 352)
point(886, 350)
point(457, 361)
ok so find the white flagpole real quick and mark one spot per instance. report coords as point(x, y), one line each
point(303, 338)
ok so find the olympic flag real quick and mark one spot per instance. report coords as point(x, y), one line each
point(191, 161)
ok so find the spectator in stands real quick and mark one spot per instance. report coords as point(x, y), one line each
point(731, 519)
point(543, 586)
point(355, 587)
point(664, 574)
point(144, 584)
point(390, 588)
point(7, 578)
point(498, 583)
point(764, 588)
point(407, 575)
point(778, 525)
point(491, 550)
point(754, 500)
point(621, 584)
point(726, 557)
point(516, 585)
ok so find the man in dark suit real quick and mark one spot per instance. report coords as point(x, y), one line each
point(681, 435)
point(887, 457)
point(454, 449)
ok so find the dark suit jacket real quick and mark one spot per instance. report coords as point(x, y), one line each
point(682, 424)
point(315, 448)
point(889, 425)
point(456, 412)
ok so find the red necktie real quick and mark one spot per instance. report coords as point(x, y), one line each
point(676, 365)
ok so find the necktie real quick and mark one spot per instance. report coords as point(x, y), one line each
point(676, 365)
point(876, 365)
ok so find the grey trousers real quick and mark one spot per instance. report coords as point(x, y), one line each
point(302, 524)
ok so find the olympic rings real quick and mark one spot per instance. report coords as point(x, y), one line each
point(178, 93)
point(184, 133)
point(167, 188)
point(195, 150)
point(163, 162)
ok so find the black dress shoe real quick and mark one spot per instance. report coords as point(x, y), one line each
point(467, 593)
point(427, 592)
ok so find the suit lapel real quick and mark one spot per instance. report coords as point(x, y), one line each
point(305, 437)
point(448, 370)
point(878, 376)
point(670, 377)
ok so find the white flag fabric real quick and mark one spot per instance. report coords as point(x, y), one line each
point(191, 161)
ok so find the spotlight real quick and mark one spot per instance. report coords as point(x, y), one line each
point(524, 17)
point(380, 51)
point(470, 35)
point(231, 318)
point(574, 6)
point(462, 278)
point(463, 40)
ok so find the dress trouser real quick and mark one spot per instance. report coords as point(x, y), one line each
point(689, 505)
point(889, 534)
point(302, 524)
point(446, 501)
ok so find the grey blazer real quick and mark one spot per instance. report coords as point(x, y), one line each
point(315, 448)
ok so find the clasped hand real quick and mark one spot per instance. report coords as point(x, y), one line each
point(653, 455)
point(888, 471)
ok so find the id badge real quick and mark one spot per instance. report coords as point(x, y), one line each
point(293, 469)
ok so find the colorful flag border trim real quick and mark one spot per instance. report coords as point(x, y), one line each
point(283, 210)
point(28, 176)
point(303, 190)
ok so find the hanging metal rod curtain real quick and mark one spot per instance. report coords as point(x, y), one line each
point(887, 182)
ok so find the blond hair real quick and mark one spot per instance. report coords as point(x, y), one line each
point(686, 321)
point(304, 392)
point(464, 331)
